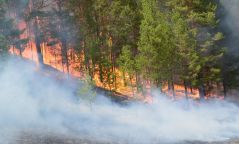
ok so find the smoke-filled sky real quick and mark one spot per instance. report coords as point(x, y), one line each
point(29, 101)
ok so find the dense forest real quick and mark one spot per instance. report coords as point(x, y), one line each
point(152, 43)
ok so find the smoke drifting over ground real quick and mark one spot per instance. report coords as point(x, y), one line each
point(32, 102)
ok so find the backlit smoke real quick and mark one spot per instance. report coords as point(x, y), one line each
point(31, 101)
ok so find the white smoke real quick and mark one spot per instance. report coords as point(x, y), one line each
point(232, 15)
point(34, 102)
point(229, 24)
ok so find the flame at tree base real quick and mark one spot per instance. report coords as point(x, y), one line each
point(52, 56)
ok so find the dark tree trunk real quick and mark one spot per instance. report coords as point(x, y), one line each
point(132, 87)
point(169, 86)
point(191, 88)
point(202, 92)
point(38, 42)
point(138, 82)
point(173, 90)
point(55, 58)
point(39, 52)
point(113, 69)
point(20, 49)
point(65, 55)
point(101, 73)
point(224, 88)
point(18, 46)
point(172, 86)
point(185, 90)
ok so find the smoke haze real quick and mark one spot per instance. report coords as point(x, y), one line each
point(230, 24)
point(231, 9)
point(30, 101)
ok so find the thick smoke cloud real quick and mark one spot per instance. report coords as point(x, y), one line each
point(229, 21)
point(231, 9)
point(30, 101)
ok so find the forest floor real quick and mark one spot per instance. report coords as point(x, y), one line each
point(72, 83)
point(49, 138)
point(27, 138)
point(30, 138)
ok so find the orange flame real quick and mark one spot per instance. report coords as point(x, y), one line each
point(52, 57)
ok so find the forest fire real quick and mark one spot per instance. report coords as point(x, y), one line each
point(118, 71)
point(63, 54)
point(52, 56)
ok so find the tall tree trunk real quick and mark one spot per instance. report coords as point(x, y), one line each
point(55, 58)
point(169, 87)
point(113, 69)
point(173, 90)
point(20, 49)
point(132, 87)
point(101, 73)
point(191, 89)
point(65, 55)
point(137, 81)
point(202, 92)
point(172, 85)
point(160, 86)
point(38, 42)
point(224, 88)
point(185, 89)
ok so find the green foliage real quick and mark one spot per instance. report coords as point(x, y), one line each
point(5, 34)
point(152, 42)
point(170, 40)
point(86, 90)
point(160, 41)
point(127, 63)
point(126, 60)
point(3, 46)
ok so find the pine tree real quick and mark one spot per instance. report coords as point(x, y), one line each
point(127, 64)
point(155, 57)
point(35, 18)
point(183, 48)
point(10, 34)
point(201, 18)
point(107, 26)
point(59, 29)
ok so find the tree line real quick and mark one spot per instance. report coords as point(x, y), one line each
point(156, 42)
